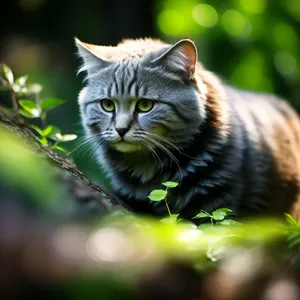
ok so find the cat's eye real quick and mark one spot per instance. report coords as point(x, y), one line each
point(144, 105)
point(107, 105)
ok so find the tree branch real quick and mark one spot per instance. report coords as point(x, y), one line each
point(81, 186)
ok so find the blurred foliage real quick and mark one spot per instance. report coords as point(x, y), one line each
point(252, 44)
point(107, 258)
point(29, 177)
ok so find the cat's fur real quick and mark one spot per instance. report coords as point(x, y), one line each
point(226, 147)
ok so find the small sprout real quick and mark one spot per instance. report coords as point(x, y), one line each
point(157, 195)
point(34, 109)
point(47, 132)
point(170, 184)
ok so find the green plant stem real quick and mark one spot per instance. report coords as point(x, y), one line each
point(55, 144)
point(14, 101)
point(43, 120)
point(167, 204)
point(168, 207)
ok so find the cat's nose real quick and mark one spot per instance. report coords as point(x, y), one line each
point(121, 131)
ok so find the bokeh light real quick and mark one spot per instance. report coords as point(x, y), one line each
point(286, 37)
point(205, 15)
point(170, 22)
point(285, 63)
point(293, 7)
point(235, 23)
point(251, 72)
point(253, 6)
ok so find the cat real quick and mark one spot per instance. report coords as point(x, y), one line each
point(155, 114)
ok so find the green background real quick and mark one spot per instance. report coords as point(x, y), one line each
point(251, 44)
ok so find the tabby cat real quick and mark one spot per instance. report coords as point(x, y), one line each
point(154, 114)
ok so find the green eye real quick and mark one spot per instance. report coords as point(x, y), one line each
point(144, 105)
point(108, 105)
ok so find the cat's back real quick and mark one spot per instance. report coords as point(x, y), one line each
point(270, 114)
point(272, 129)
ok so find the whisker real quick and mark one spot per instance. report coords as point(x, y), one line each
point(163, 139)
point(90, 142)
point(153, 153)
point(167, 151)
point(167, 141)
point(86, 141)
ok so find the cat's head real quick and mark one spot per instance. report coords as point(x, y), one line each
point(141, 94)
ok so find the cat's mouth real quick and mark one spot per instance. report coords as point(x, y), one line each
point(125, 146)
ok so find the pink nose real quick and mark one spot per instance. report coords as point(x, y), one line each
point(122, 131)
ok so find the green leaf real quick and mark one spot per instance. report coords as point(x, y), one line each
point(55, 130)
point(290, 219)
point(229, 222)
point(26, 114)
point(170, 184)
point(64, 138)
point(43, 141)
point(221, 213)
point(172, 219)
point(157, 195)
point(59, 148)
point(37, 129)
point(30, 107)
point(51, 131)
point(21, 81)
point(47, 131)
point(50, 103)
point(68, 137)
point(8, 74)
point(19, 84)
point(201, 215)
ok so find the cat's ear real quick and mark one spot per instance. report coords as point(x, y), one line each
point(180, 57)
point(92, 60)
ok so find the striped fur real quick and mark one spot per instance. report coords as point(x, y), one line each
point(226, 147)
